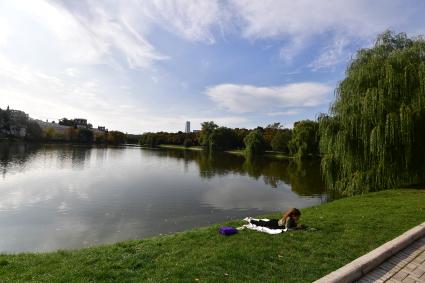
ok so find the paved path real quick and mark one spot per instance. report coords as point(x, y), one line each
point(407, 266)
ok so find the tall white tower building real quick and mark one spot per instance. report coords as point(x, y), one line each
point(187, 129)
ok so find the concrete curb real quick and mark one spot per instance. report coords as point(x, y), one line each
point(362, 265)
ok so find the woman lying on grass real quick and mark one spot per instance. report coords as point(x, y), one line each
point(288, 221)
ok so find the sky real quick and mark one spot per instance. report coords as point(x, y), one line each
point(152, 65)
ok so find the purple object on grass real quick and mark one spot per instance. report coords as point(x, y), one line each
point(228, 230)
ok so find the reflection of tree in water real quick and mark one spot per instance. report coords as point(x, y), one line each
point(254, 167)
point(79, 155)
point(15, 154)
point(210, 163)
point(18, 154)
point(218, 164)
point(68, 155)
point(303, 176)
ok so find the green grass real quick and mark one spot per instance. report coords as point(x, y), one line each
point(347, 229)
point(236, 151)
point(268, 153)
point(181, 147)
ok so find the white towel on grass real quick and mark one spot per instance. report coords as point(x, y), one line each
point(260, 228)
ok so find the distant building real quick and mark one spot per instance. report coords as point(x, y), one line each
point(100, 133)
point(46, 125)
point(80, 123)
point(187, 129)
point(196, 131)
point(18, 131)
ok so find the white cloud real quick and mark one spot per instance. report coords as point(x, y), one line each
point(24, 75)
point(90, 32)
point(72, 72)
point(93, 35)
point(299, 23)
point(272, 18)
point(47, 96)
point(5, 32)
point(98, 29)
point(125, 27)
point(189, 19)
point(248, 98)
point(283, 113)
point(332, 55)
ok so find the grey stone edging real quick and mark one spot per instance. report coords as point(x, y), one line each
point(362, 265)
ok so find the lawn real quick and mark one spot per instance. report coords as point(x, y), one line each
point(198, 148)
point(346, 229)
point(268, 153)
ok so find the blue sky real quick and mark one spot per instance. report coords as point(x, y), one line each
point(140, 66)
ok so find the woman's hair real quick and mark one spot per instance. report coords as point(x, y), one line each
point(292, 212)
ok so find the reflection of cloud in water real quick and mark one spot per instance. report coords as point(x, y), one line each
point(240, 194)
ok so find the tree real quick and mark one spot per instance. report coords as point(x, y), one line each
point(206, 130)
point(187, 142)
point(254, 143)
point(241, 134)
point(71, 134)
point(222, 138)
point(5, 120)
point(85, 135)
point(374, 137)
point(269, 133)
point(149, 139)
point(305, 141)
point(34, 131)
point(280, 141)
point(18, 118)
point(49, 133)
point(116, 137)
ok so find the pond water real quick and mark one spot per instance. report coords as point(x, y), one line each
point(69, 196)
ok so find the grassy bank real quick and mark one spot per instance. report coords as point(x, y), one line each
point(181, 147)
point(268, 153)
point(347, 228)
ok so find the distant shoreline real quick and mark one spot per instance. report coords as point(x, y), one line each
point(4, 139)
point(240, 152)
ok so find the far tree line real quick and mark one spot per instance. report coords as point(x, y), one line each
point(17, 124)
point(302, 141)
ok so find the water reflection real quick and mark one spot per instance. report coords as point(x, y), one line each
point(303, 176)
point(63, 196)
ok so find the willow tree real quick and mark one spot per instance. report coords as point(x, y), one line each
point(374, 137)
point(254, 143)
